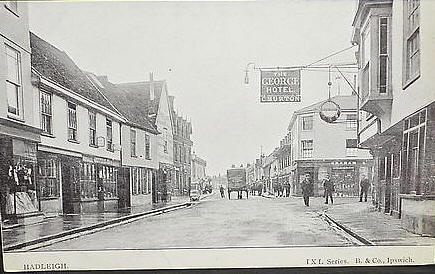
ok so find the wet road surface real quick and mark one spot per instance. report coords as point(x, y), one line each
point(215, 223)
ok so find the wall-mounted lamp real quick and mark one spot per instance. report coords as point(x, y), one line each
point(246, 72)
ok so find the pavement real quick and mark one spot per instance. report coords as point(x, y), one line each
point(57, 224)
point(363, 220)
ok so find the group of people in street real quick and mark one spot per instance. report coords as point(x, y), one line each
point(307, 188)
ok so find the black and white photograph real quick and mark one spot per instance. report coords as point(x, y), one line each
point(217, 134)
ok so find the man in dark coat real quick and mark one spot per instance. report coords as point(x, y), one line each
point(221, 189)
point(364, 186)
point(307, 189)
point(328, 185)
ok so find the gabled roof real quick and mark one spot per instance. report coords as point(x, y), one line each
point(134, 109)
point(58, 67)
point(141, 91)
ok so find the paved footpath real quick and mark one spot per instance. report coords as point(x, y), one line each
point(375, 226)
point(61, 223)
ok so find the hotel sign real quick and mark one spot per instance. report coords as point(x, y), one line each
point(280, 86)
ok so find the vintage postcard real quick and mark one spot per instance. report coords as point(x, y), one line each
point(216, 134)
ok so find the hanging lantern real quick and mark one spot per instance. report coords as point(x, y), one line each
point(329, 111)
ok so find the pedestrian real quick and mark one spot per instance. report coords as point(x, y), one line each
point(307, 189)
point(221, 189)
point(364, 186)
point(328, 185)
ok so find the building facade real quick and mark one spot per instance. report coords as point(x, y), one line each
point(319, 148)
point(182, 131)
point(19, 130)
point(79, 154)
point(397, 106)
point(155, 96)
point(138, 147)
point(198, 168)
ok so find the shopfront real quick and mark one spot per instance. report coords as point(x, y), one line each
point(345, 174)
point(89, 184)
point(163, 188)
point(19, 194)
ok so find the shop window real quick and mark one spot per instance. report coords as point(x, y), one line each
point(307, 148)
point(46, 112)
point(396, 165)
point(48, 178)
point(351, 147)
point(88, 181)
point(307, 123)
point(72, 122)
point(13, 82)
point(382, 168)
point(109, 176)
point(92, 128)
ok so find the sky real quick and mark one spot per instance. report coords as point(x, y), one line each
point(202, 49)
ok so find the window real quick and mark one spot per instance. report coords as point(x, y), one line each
point(383, 54)
point(351, 147)
point(366, 53)
point(13, 81)
point(412, 39)
point(109, 135)
point(307, 123)
point(141, 179)
point(46, 112)
point(92, 128)
point(12, 6)
point(109, 175)
point(133, 143)
point(396, 165)
point(307, 148)
point(48, 178)
point(351, 121)
point(147, 147)
point(88, 181)
point(165, 140)
point(72, 122)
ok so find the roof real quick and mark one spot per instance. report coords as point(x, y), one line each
point(57, 66)
point(346, 102)
point(141, 92)
point(132, 107)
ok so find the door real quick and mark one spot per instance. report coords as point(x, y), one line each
point(123, 184)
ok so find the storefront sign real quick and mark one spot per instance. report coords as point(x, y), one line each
point(280, 86)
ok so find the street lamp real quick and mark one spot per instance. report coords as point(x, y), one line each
point(246, 72)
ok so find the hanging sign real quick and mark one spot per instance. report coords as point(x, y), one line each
point(280, 86)
point(329, 111)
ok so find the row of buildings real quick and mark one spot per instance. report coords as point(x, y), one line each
point(387, 128)
point(72, 141)
point(396, 75)
point(312, 146)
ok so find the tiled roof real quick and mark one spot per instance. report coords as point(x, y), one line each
point(134, 108)
point(141, 92)
point(57, 66)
